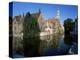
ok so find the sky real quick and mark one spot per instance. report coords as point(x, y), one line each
point(47, 10)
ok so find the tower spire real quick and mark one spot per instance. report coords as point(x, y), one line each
point(58, 13)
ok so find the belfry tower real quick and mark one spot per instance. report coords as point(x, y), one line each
point(58, 14)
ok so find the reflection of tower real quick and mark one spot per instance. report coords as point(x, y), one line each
point(58, 14)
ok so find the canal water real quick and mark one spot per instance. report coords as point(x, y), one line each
point(50, 45)
point(58, 45)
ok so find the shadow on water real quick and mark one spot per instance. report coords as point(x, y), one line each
point(72, 41)
point(68, 39)
point(31, 47)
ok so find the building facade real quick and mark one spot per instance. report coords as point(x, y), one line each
point(52, 25)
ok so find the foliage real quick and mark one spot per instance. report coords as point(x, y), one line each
point(30, 25)
point(68, 25)
point(30, 30)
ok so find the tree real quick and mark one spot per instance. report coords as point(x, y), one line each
point(30, 26)
point(68, 25)
point(30, 41)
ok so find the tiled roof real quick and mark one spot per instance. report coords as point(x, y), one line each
point(52, 20)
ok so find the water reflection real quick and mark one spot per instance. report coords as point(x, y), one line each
point(57, 45)
point(49, 45)
point(50, 41)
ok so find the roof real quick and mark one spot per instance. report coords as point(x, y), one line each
point(17, 18)
point(35, 15)
point(52, 20)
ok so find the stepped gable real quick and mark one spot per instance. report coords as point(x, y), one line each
point(17, 18)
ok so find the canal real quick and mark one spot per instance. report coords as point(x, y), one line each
point(58, 45)
point(49, 45)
